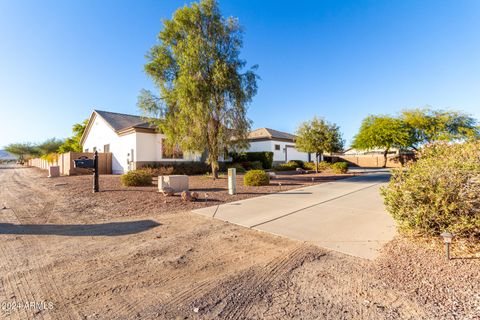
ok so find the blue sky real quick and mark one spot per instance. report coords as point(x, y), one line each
point(341, 60)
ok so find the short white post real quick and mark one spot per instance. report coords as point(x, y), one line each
point(232, 181)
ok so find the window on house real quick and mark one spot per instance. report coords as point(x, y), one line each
point(277, 147)
point(106, 148)
point(86, 150)
point(171, 152)
point(94, 149)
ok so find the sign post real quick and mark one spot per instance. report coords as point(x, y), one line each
point(85, 163)
point(232, 181)
point(95, 172)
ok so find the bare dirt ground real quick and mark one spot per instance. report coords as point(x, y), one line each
point(112, 257)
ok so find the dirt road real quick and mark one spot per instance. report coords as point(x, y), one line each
point(87, 264)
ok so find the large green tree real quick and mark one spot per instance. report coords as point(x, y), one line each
point(318, 136)
point(23, 150)
point(49, 146)
point(73, 143)
point(429, 125)
point(204, 88)
point(382, 132)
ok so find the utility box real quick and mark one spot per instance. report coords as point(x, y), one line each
point(53, 171)
point(232, 181)
point(177, 183)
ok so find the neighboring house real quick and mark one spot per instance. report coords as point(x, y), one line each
point(132, 140)
point(282, 144)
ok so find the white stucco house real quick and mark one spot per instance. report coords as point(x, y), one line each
point(134, 142)
point(282, 144)
point(131, 139)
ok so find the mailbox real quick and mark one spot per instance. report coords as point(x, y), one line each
point(84, 163)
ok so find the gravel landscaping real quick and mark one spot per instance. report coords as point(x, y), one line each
point(129, 200)
point(120, 254)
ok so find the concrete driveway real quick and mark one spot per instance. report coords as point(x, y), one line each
point(346, 215)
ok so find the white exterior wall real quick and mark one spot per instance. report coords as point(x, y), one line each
point(259, 146)
point(149, 148)
point(101, 134)
point(278, 155)
point(136, 146)
point(294, 154)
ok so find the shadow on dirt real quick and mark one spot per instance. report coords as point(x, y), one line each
point(80, 230)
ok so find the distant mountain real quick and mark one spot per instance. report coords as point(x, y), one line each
point(4, 155)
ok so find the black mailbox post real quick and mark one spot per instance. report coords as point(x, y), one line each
point(86, 163)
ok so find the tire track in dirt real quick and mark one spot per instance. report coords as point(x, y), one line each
point(235, 297)
point(14, 287)
point(48, 287)
point(253, 288)
point(41, 287)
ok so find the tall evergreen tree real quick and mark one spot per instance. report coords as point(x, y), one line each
point(203, 87)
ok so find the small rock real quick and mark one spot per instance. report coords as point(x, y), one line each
point(196, 310)
point(300, 171)
point(189, 196)
point(168, 192)
point(186, 196)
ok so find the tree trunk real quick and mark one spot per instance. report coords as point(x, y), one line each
point(316, 162)
point(385, 158)
point(214, 164)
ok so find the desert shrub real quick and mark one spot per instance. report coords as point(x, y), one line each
point(50, 157)
point(299, 163)
point(439, 192)
point(256, 178)
point(136, 178)
point(158, 171)
point(309, 166)
point(252, 165)
point(322, 166)
point(266, 158)
point(237, 166)
point(340, 167)
point(184, 167)
point(289, 166)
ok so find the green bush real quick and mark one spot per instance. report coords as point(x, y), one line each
point(237, 166)
point(256, 178)
point(252, 165)
point(158, 171)
point(340, 167)
point(299, 163)
point(266, 158)
point(289, 166)
point(184, 167)
point(439, 192)
point(136, 178)
point(322, 166)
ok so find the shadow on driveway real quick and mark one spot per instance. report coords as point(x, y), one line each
point(80, 230)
